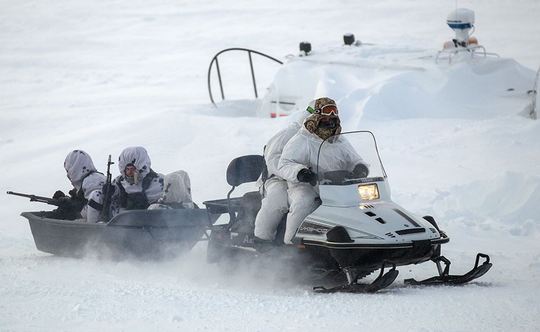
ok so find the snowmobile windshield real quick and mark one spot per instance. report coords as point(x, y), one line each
point(349, 158)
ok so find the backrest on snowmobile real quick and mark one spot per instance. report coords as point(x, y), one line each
point(241, 170)
point(244, 169)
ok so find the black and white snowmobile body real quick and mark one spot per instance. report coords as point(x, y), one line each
point(356, 230)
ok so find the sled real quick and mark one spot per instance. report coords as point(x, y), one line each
point(147, 234)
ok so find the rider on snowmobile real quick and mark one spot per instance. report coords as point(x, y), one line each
point(299, 159)
point(275, 205)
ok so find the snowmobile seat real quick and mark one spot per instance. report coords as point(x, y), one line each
point(245, 169)
point(241, 170)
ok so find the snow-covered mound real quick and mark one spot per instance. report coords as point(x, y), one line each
point(511, 199)
point(383, 82)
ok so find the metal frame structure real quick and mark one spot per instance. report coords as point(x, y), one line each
point(472, 50)
point(216, 61)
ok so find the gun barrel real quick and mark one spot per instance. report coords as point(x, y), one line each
point(18, 194)
point(35, 198)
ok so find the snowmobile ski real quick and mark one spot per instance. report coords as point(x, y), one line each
point(445, 278)
point(383, 280)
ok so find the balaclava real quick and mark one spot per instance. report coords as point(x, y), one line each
point(323, 122)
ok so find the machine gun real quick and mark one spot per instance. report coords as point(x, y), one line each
point(68, 208)
point(41, 199)
point(107, 193)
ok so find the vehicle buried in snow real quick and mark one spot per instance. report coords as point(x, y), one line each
point(377, 80)
point(355, 231)
point(145, 234)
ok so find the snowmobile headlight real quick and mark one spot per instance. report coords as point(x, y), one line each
point(368, 192)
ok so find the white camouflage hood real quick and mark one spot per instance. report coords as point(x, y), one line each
point(138, 156)
point(177, 188)
point(78, 164)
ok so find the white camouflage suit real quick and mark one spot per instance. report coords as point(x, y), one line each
point(176, 193)
point(301, 152)
point(83, 176)
point(274, 205)
point(138, 157)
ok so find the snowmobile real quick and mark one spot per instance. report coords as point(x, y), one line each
point(143, 234)
point(356, 230)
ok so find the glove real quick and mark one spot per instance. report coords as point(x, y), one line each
point(58, 194)
point(361, 171)
point(307, 176)
point(73, 193)
point(65, 202)
point(69, 208)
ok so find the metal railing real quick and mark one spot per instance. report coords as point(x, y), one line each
point(472, 50)
point(216, 61)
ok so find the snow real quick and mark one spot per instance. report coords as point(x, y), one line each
point(104, 75)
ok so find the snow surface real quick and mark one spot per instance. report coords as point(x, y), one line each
point(104, 75)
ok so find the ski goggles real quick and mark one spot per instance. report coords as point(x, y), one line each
point(330, 109)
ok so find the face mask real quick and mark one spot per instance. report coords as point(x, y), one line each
point(323, 126)
point(328, 122)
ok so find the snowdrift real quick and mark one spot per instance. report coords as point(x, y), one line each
point(382, 83)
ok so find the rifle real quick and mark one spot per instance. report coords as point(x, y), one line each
point(41, 199)
point(68, 208)
point(105, 211)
